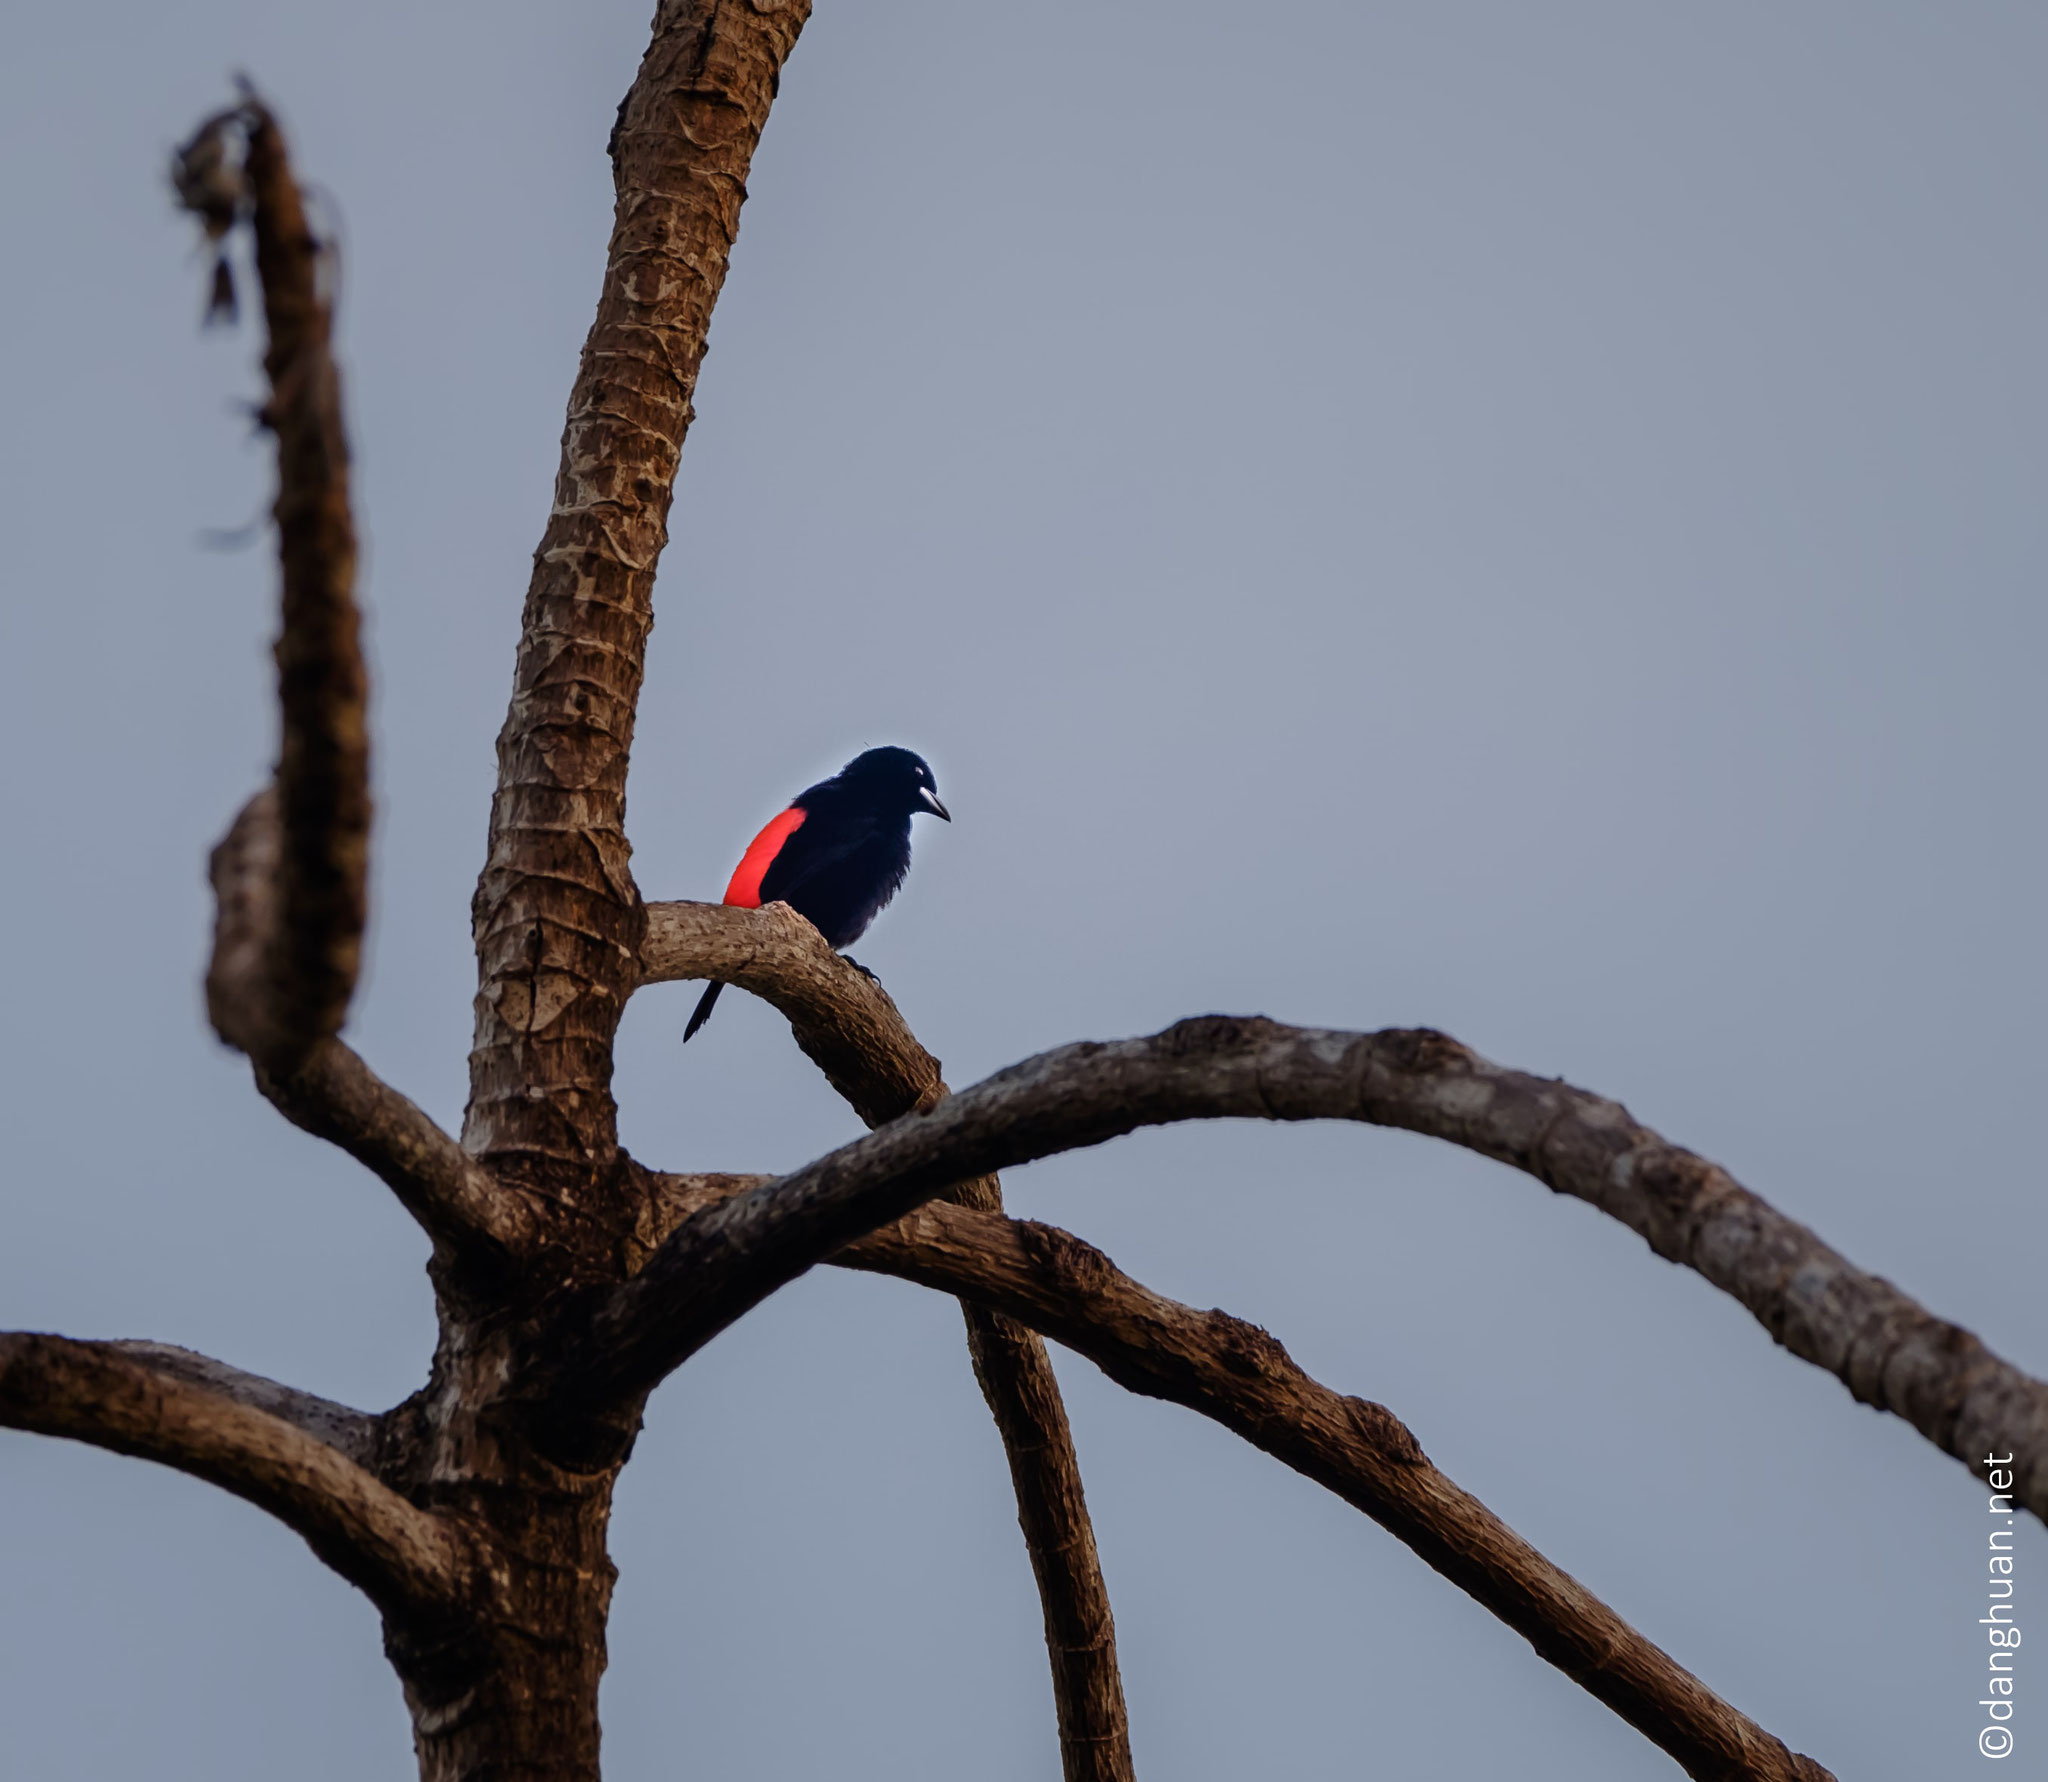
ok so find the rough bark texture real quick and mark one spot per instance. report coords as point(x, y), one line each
point(347, 1431)
point(512, 1690)
point(846, 1024)
point(1023, 1396)
point(558, 921)
point(557, 917)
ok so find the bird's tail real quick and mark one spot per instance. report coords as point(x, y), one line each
point(703, 1013)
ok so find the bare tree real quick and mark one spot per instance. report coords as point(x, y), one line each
point(571, 1278)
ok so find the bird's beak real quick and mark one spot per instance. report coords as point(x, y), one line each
point(932, 804)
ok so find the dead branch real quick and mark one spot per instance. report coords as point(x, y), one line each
point(557, 917)
point(331, 1093)
point(1888, 1350)
point(290, 877)
point(324, 1088)
point(207, 1420)
point(1237, 1374)
point(1023, 1396)
point(343, 1428)
point(323, 761)
point(846, 1023)
point(1046, 1279)
point(292, 874)
point(844, 1020)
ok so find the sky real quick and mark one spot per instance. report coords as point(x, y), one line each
point(1524, 520)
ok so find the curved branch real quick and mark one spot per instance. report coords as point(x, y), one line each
point(292, 874)
point(331, 1093)
point(324, 1088)
point(290, 877)
point(844, 1021)
point(349, 1432)
point(557, 916)
point(848, 1026)
point(208, 1420)
point(1237, 1374)
point(1887, 1349)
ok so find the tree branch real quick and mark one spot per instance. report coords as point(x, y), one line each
point(349, 1432)
point(846, 1023)
point(292, 874)
point(331, 1093)
point(1237, 1374)
point(1023, 1396)
point(843, 1020)
point(263, 1442)
point(1887, 1349)
point(557, 916)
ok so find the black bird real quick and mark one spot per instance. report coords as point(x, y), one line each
point(837, 854)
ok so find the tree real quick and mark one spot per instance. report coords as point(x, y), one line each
point(571, 1278)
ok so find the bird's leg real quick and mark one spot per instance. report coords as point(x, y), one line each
point(862, 969)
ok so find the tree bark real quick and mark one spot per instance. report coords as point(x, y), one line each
point(1023, 1396)
point(557, 915)
point(511, 1691)
point(557, 922)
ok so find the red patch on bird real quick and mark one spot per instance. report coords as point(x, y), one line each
point(745, 889)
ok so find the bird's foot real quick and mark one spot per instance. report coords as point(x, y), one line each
point(862, 969)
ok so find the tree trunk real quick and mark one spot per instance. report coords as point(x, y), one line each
point(558, 922)
point(509, 1691)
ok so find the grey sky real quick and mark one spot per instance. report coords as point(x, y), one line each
point(1523, 519)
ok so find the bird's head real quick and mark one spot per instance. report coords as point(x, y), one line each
point(894, 778)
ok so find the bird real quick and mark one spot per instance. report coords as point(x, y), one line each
point(837, 854)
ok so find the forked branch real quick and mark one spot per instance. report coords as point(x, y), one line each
point(845, 1022)
point(1244, 1379)
point(263, 1442)
point(1235, 1373)
point(1887, 1349)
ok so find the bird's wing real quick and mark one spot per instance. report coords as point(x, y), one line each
point(795, 867)
point(744, 890)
